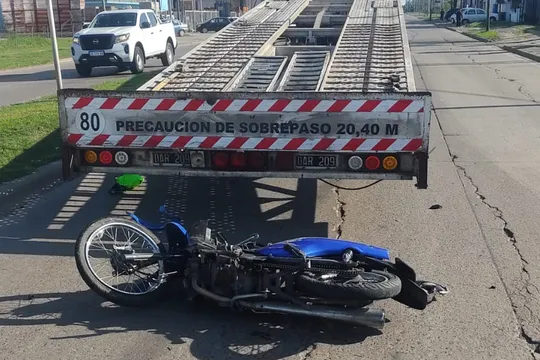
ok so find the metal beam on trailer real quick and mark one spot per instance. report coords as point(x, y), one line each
point(370, 54)
point(307, 32)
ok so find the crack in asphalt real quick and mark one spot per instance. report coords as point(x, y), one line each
point(340, 212)
point(521, 86)
point(525, 275)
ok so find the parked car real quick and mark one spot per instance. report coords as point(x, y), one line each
point(473, 15)
point(215, 24)
point(123, 38)
point(180, 28)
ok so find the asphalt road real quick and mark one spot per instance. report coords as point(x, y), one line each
point(19, 85)
point(484, 172)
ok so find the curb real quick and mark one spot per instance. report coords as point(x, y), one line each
point(472, 36)
point(15, 192)
point(521, 53)
point(507, 48)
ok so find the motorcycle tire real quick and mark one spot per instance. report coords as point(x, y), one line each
point(386, 286)
point(94, 282)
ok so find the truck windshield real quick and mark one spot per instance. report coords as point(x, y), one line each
point(114, 20)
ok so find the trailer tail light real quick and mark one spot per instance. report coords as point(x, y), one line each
point(121, 158)
point(355, 162)
point(238, 160)
point(284, 161)
point(256, 160)
point(105, 157)
point(197, 159)
point(221, 160)
point(90, 156)
point(390, 163)
point(372, 163)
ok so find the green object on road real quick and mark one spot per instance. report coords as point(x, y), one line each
point(126, 182)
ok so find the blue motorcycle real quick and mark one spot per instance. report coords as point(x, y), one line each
point(319, 277)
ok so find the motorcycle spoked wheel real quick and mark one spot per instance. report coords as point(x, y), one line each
point(124, 235)
point(368, 285)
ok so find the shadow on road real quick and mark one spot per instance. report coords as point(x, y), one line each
point(238, 207)
point(216, 333)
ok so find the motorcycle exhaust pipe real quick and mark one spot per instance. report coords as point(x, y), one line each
point(362, 316)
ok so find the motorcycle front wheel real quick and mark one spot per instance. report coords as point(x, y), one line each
point(98, 252)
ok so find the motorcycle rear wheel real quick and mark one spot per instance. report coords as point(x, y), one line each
point(368, 285)
point(108, 227)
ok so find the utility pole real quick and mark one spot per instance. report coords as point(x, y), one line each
point(430, 7)
point(50, 14)
point(104, 3)
point(487, 14)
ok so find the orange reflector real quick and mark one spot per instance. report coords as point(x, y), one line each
point(221, 160)
point(389, 163)
point(372, 163)
point(105, 157)
point(90, 156)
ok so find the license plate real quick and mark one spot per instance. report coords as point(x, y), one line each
point(316, 161)
point(167, 158)
point(97, 53)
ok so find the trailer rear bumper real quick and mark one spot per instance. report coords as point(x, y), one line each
point(202, 164)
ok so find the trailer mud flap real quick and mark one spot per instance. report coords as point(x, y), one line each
point(422, 161)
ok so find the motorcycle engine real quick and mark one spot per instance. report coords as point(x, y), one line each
point(227, 278)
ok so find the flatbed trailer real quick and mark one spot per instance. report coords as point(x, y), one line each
point(298, 88)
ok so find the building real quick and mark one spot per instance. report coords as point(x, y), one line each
point(29, 16)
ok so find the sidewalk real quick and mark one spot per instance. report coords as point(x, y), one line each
point(526, 44)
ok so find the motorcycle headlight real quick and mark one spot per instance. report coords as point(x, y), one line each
point(122, 38)
point(75, 39)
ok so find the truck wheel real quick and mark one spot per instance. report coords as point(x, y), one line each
point(137, 66)
point(167, 58)
point(83, 70)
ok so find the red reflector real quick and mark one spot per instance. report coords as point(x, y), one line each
point(372, 163)
point(238, 160)
point(221, 160)
point(105, 157)
point(256, 160)
point(284, 161)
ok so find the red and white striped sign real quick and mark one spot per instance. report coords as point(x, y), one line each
point(245, 105)
point(245, 143)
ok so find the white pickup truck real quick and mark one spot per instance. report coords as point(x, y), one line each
point(123, 38)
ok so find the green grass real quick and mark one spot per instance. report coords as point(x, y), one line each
point(501, 30)
point(29, 134)
point(489, 35)
point(20, 51)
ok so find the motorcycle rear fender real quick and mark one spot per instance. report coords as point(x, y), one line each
point(411, 293)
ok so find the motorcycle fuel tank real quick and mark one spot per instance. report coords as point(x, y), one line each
point(320, 247)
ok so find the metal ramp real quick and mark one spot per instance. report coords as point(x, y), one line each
point(216, 63)
point(305, 71)
point(371, 52)
point(260, 74)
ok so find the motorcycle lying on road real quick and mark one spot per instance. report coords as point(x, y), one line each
point(318, 277)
